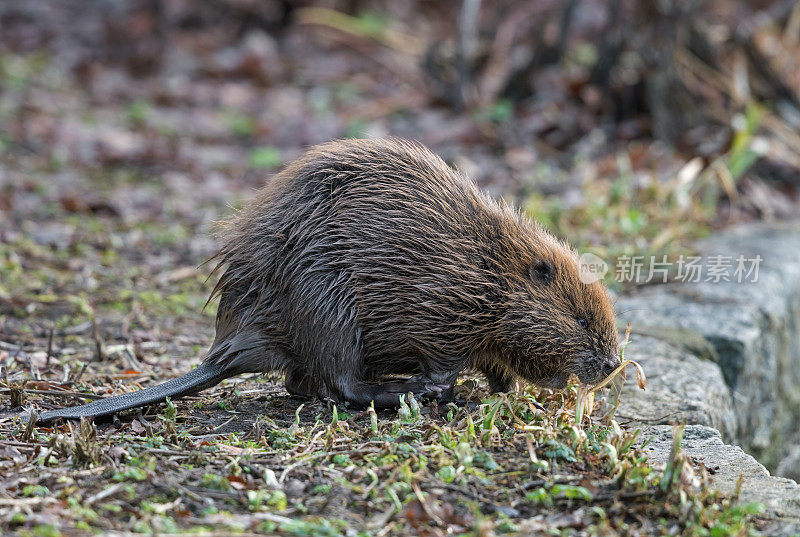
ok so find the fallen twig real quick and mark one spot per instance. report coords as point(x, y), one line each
point(57, 393)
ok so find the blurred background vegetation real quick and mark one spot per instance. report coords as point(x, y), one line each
point(627, 126)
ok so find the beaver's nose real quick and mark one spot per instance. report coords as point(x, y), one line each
point(609, 364)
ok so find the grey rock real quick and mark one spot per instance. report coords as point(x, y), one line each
point(681, 388)
point(750, 329)
point(780, 496)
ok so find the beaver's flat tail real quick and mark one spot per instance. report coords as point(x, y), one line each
point(203, 376)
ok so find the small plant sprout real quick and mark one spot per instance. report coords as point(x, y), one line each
point(404, 412)
point(487, 425)
point(170, 413)
point(295, 428)
point(335, 416)
point(413, 404)
point(678, 470)
point(373, 418)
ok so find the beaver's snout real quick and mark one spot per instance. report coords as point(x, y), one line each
point(609, 364)
point(598, 368)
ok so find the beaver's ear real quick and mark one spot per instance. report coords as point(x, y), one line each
point(540, 271)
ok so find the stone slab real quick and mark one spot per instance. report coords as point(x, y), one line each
point(681, 388)
point(780, 496)
point(751, 330)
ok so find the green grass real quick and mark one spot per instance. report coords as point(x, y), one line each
point(510, 460)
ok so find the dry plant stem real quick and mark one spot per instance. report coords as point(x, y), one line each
point(425, 507)
point(714, 78)
point(640, 376)
point(406, 43)
point(584, 402)
point(49, 348)
point(58, 393)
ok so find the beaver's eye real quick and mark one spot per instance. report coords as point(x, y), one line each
point(583, 322)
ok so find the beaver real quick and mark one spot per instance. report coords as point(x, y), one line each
point(367, 269)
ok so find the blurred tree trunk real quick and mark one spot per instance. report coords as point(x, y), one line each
point(668, 28)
